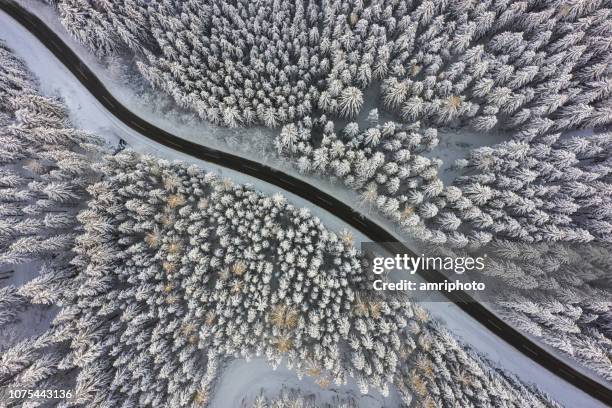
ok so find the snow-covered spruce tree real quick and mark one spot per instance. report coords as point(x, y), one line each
point(555, 190)
point(44, 170)
point(439, 372)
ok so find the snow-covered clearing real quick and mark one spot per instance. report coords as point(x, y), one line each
point(242, 381)
point(241, 377)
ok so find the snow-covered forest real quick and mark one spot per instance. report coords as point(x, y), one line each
point(536, 71)
point(155, 274)
point(488, 63)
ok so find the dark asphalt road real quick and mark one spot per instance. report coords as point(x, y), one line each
point(287, 182)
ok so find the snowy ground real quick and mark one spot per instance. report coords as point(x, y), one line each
point(240, 382)
point(33, 317)
point(88, 114)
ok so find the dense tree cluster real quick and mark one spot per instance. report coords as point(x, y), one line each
point(554, 190)
point(549, 265)
point(227, 270)
point(557, 189)
point(533, 65)
point(555, 291)
point(437, 372)
point(234, 63)
point(384, 163)
point(178, 269)
point(45, 166)
point(559, 293)
point(579, 327)
point(443, 374)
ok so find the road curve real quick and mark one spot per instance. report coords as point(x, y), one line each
point(298, 187)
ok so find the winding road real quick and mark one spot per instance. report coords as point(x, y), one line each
point(296, 186)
